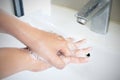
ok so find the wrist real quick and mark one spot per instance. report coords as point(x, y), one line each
point(35, 63)
point(13, 26)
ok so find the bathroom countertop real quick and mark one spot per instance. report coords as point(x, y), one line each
point(104, 64)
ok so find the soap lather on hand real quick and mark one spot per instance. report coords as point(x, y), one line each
point(79, 55)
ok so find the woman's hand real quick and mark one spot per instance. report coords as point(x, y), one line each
point(47, 45)
point(75, 56)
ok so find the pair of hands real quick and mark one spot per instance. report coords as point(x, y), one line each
point(56, 50)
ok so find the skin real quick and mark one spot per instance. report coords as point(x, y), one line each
point(54, 49)
point(42, 41)
point(13, 60)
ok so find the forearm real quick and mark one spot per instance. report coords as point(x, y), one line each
point(8, 23)
point(15, 27)
point(13, 60)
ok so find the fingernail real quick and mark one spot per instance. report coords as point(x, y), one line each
point(88, 55)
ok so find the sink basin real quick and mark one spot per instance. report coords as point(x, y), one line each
point(104, 63)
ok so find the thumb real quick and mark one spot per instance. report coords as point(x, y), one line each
point(56, 61)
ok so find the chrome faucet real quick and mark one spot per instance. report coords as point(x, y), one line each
point(99, 12)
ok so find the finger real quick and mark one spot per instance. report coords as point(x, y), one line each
point(82, 52)
point(70, 39)
point(72, 59)
point(70, 43)
point(56, 61)
point(78, 59)
point(66, 51)
point(71, 46)
point(78, 43)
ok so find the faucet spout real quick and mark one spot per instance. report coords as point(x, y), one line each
point(98, 11)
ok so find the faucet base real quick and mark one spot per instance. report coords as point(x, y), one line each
point(99, 12)
point(100, 21)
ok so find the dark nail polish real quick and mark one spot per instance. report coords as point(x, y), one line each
point(88, 55)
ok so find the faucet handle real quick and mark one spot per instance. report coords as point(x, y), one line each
point(100, 22)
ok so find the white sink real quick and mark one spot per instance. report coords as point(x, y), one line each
point(105, 56)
